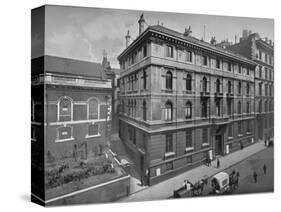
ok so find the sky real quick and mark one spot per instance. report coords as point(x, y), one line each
point(84, 33)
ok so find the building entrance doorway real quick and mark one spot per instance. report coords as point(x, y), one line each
point(218, 145)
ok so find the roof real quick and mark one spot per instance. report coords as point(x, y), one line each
point(191, 40)
point(61, 65)
point(221, 176)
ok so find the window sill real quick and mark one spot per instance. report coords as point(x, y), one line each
point(169, 154)
point(230, 138)
point(239, 135)
point(205, 144)
point(93, 136)
point(33, 139)
point(248, 133)
point(64, 140)
point(189, 149)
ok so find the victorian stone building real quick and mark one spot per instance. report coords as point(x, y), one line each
point(260, 50)
point(182, 101)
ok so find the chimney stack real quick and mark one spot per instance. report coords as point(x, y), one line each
point(128, 38)
point(213, 40)
point(141, 24)
point(244, 33)
point(188, 31)
point(235, 38)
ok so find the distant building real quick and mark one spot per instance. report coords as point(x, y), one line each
point(261, 51)
point(224, 44)
point(73, 99)
point(182, 101)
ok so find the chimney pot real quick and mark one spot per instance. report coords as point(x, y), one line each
point(141, 24)
point(128, 38)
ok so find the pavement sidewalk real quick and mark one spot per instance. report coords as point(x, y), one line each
point(165, 189)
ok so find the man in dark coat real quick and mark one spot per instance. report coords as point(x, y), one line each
point(255, 176)
point(218, 163)
point(264, 169)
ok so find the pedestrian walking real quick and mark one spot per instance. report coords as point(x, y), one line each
point(218, 163)
point(237, 177)
point(255, 176)
point(264, 169)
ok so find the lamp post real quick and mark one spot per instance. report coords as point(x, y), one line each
point(106, 122)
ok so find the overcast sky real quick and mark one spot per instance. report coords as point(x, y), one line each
point(83, 33)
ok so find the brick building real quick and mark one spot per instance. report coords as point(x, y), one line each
point(73, 100)
point(260, 50)
point(182, 101)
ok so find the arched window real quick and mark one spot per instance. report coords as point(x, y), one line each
point(188, 110)
point(93, 109)
point(229, 86)
point(169, 80)
point(188, 83)
point(265, 106)
point(204, 84)
point(168, 111)
point(218, 85)
point(239, 107)
point(144, 110)
point(65, 109)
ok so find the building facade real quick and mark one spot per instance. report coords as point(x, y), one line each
point(75, 108)
point(260, 50)
point(182, 101)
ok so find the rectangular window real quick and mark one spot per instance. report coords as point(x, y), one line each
point(33, 133)
point(260, 54)
point(188, 137)
point(239, 69)
point(239, 128)
point(205, 139)
point(248, 71)
point(169, 143)
point(230, 130)
point(189, 56)
point(205, 60)
point(144, 51)
point(64, 133)
point(260, 71)
point(249, 126)
point(169, 51)
point(260, 89)
point(229, 107)
point(169, 166)
point(93, 130)
point(229, 66)
point(218, 64)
